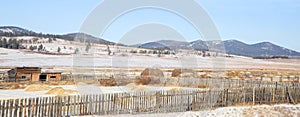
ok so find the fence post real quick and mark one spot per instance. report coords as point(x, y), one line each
point(226, 97)
point(253, 96)
point(158, 101)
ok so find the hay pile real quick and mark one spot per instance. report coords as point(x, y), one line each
point(205, 76)
point(36, 87)
point(136, 88)
point(142, 80)
point(149, 75)
point(59, 91)
point(108, 82)
point(183, 73)
point(233, 74)
point(149, 72)
point(176, 72)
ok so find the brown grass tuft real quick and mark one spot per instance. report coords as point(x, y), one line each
point(108, 82)
point(202, 86)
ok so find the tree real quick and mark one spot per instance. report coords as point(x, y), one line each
point(32, 47)
point(14, 44)
point(143, 51)
point(0, 42)
point(35, 40)
point(76, 51)
point(208, 54)
point(203, 53)
point(50, 40)
point(88, 47)
point(108, 49)
point(58, 49)
point(4, 43)
point(40, 47)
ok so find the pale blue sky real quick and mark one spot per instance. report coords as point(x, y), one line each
point(250, 21)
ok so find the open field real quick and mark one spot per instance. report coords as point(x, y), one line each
point(200, 73)
point(10, 57)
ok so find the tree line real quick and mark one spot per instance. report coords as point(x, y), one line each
point(11, 43)
point(40, 35)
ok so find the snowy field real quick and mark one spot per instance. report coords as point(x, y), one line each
point(82, 89)
point(10, 57)
point(281, 110)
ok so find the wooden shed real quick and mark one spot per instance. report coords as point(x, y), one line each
point(24, 74)
point(50, 76)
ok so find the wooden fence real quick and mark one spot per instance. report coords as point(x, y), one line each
point(223, 83)
point(145, 102)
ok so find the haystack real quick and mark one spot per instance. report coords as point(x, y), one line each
point(59, 91)
point(108, 82)
point(149, 75)
point(142, 80)
point(176, 72)
point(33, 88)
point(183, 73)
point(149, 72)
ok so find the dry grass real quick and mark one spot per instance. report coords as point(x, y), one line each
point(35, 87)
point(59, 91)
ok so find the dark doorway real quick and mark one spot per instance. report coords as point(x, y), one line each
point(43, 77)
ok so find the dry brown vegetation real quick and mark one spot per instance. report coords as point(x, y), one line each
point(108, 82)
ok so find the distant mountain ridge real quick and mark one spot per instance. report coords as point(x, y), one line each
point(12, 31)
point(229, 46)
point(88, 37)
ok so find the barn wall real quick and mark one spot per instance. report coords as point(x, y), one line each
point(35, 77)
point(19, 76)
point(58, 77)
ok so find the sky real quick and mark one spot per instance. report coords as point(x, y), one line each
point(252, 21)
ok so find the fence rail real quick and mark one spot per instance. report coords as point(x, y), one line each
point(146, 102)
